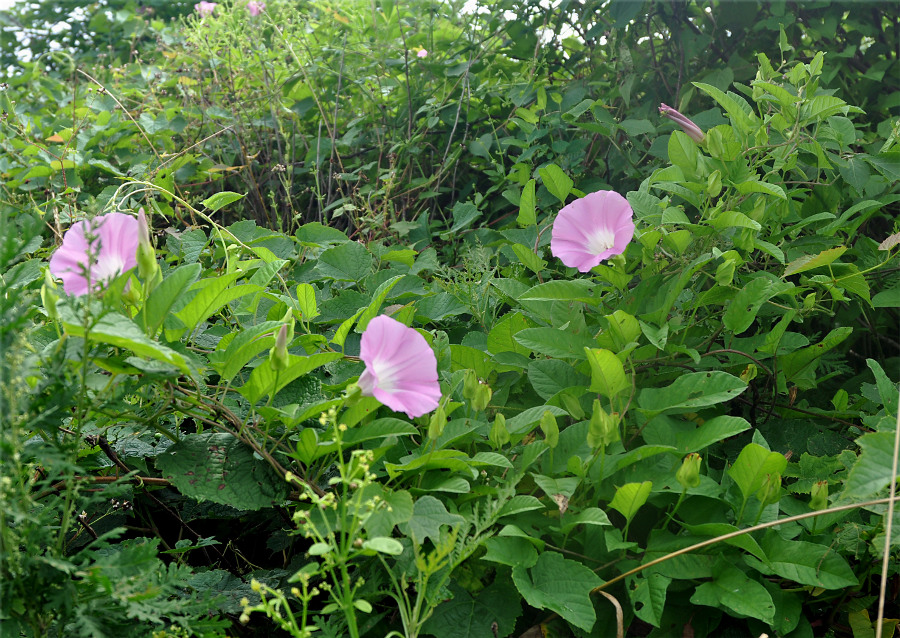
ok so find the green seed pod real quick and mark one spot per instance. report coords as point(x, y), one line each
point(603, 428)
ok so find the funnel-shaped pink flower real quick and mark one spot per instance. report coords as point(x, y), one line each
point(113, 247)
point(592, 229)
point(401, 369)
point(693, 131)
point(205, 8)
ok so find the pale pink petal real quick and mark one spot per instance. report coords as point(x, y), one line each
point(116, 239)
point(591, 229)
point(401, 369)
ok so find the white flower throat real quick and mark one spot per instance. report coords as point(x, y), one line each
point(601, 240)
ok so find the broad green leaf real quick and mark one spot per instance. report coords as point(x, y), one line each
point(689, 392)
point(648, 596)
point(808, 262)
point(548, 377)
point(306, 300)
point(552, 486)
point(340, 335)
point(753, 465)
point(554, 342)
point(744, 541)
point(560, 585)
point(446, 460)
point(562, 290)
point(429, 515)
point(732, 590)
point(749, 299)
point(557, 182)
point(375, 305)
point(266, 381)
point(804, 563)
point(440, 306)
point(607, 373)
point(887, 389)
point(712, 431)
point(510, 550)
point(213, 294)
point(491, 612)
point(347, 262)
point(753, 186)
point(220, 200)
point(165, 295)
point(683, 153)
point(793, 364)
point(630, 498)
point(521, 503)
point(229, 357)
point(120, 332)
point(742, 121)
point(525, 420)
point(527, 216)
point(588, 516)
point(384, 545)
point(821, 107)
point(528, 258)
point(501, 337)
point(872, 472)
point(220, 468)
point(379, 429)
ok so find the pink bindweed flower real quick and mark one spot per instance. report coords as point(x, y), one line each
point(693, 131)
point(401, 369)
point(592, 229)
point(112, 248)
point(255, 7)
point(205, 8)
point(421, 53)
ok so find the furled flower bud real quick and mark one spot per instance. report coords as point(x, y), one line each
point(278, 355)
point(550, 429)
point(770, 492)
point(603, 428)
point(688, 475)
point(437, 423)
point(819, 496)
point(499, 435)
point(49, 296)
point(148, 268)
point(693, 131)
point(470, 384)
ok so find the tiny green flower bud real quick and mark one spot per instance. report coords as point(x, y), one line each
point(770, 492)
point(499, 435)
point(550, 429)
point(688, 475)
point(278, 355)
point(819, 496)
point(437, 422)
point(288, 319)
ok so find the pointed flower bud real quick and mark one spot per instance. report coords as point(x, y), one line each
point(49, 296)
point(437, 423)
point(278, 355)
point(148, 268)
point(288, 320)
point(482, 398)
point(550, 429)
point(470, 384)
point(688, 475)
point(819, 496)
point(693, 131)
point(499, 435)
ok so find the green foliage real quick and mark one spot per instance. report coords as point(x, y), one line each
point(306, 168)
